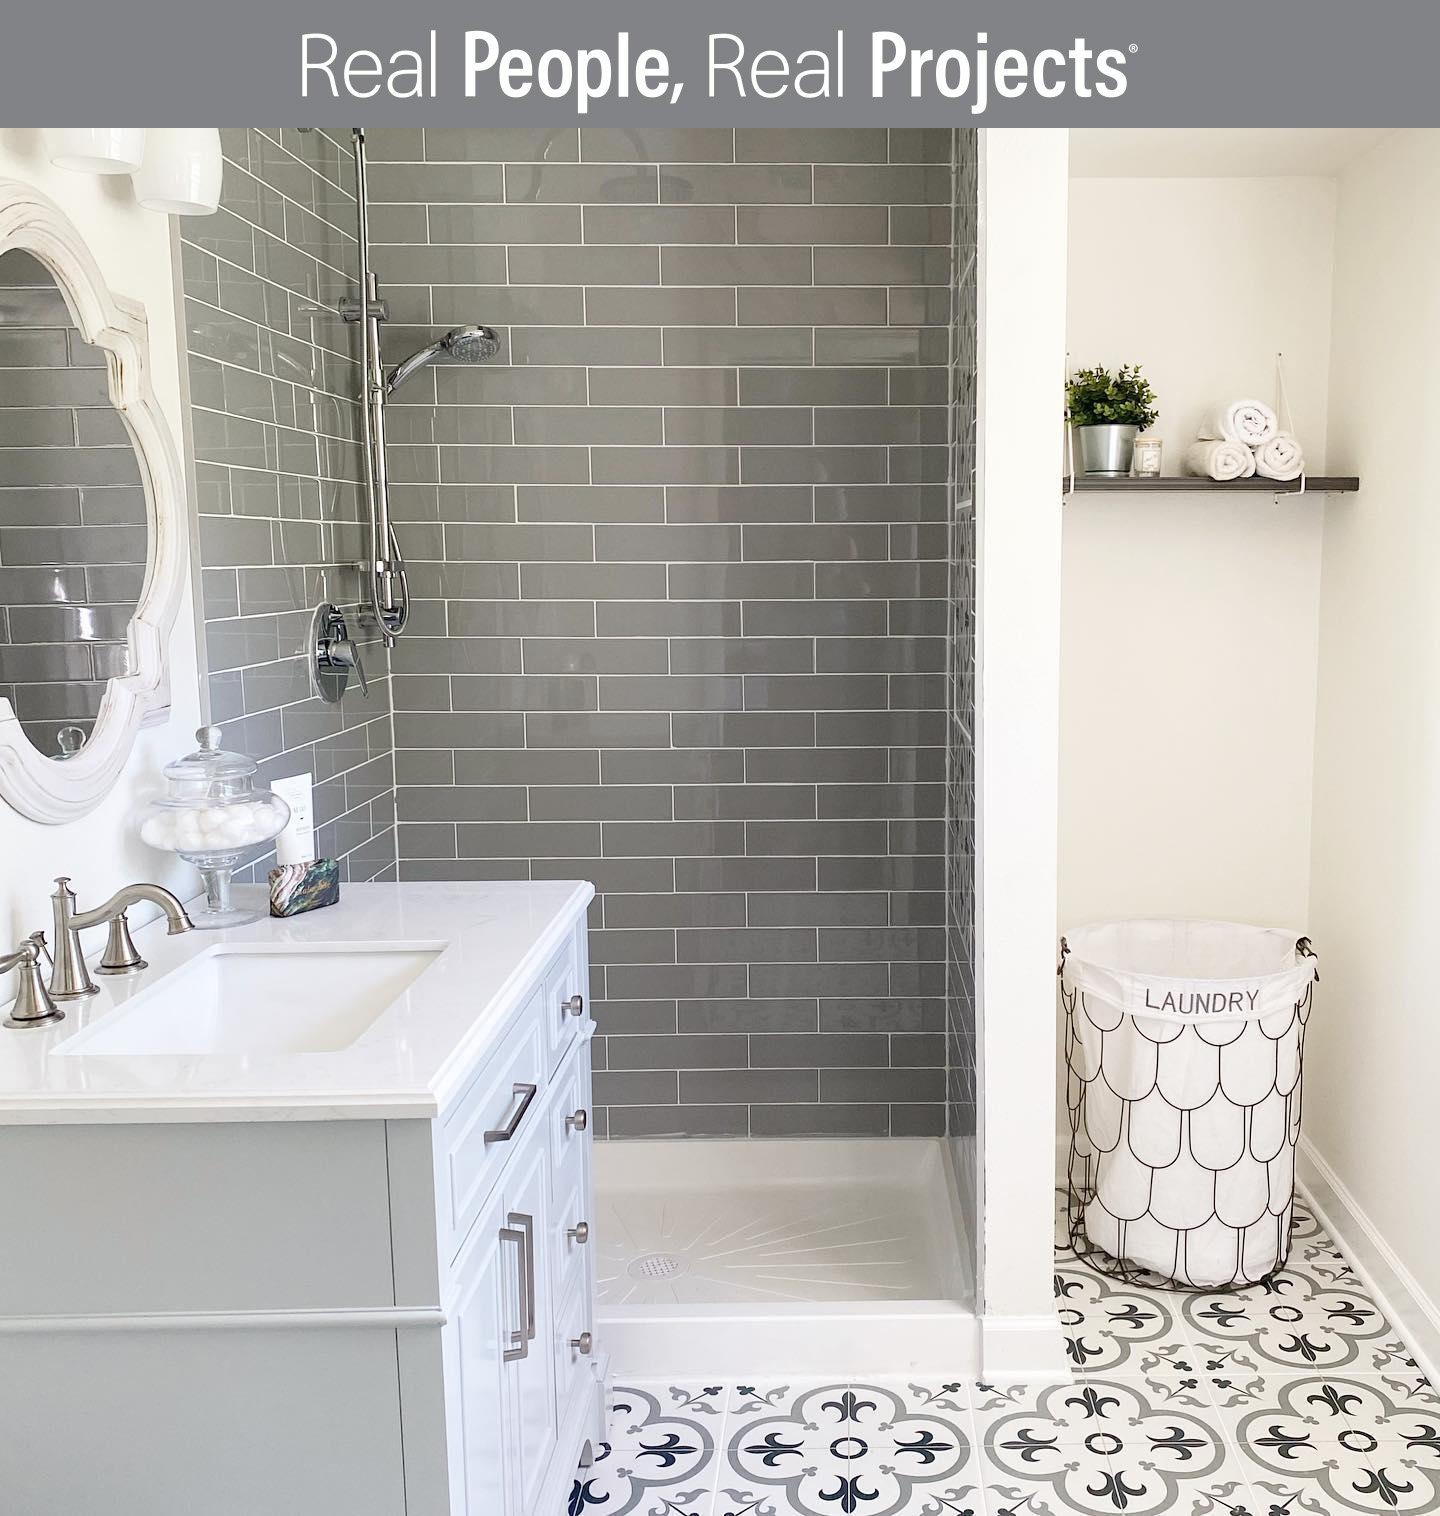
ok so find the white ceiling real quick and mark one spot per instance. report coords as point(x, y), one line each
point(1218, 152)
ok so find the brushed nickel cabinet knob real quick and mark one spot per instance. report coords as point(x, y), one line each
point(579, 1233)
point(578, 1122)
point(575, 1005)
point(583, 1343)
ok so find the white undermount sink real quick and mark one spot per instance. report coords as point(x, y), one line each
point(237, 1000)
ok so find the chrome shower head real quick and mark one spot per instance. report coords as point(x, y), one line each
point(470, 344)
point(463, 344)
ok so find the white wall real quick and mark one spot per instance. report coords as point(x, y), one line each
point(1189, 622)
point(1022, 312)
point(101, 851)
point(1370, 1106)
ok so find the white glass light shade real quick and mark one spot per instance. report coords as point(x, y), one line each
point(97, 149)
point(182, 171)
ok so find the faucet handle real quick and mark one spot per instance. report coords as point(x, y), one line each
point(121, 955)
point(335, 654)
point(343, 654)
point(32, 1005)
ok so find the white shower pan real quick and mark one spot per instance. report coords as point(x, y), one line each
point(831, 1257)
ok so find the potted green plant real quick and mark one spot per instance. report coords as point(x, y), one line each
point(1106, 410)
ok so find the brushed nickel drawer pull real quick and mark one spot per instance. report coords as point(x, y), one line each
point(575, 1005)
point(527, 1226)
point(584, 1343)
point(579, 1233)
point(506, 1132)
point(519, 1338)
point(578, 1122)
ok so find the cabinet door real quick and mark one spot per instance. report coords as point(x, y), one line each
point(484, 1314)
point(530, 1380)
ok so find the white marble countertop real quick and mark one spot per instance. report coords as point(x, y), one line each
point(410, 1062)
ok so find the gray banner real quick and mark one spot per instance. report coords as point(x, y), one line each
point(1181, 62)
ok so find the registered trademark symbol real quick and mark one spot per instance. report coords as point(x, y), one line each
point(1134, 47)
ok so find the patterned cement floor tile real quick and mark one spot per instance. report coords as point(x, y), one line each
point(1342, 1477)
point(1085, 1481)
point(996, 1405)
point(638, 1407)
point(923, 1395)
point(620, 1484)
point(861, 1450)
point(1292, 1398)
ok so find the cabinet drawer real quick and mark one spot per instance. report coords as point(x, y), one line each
point(570, 1113)
point(570, 1212)
point(499, 1112)
point(574, 1370)
point(562, 982)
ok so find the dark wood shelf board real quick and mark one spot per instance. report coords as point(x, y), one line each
point(1185, 484)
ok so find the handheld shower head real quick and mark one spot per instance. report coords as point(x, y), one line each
point(463, 344)
point(470, 344)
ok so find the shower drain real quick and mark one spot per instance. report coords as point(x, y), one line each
point(656, 1266)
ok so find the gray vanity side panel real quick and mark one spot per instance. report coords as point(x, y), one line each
point(421, 1363)
point(213, 1423)
point(415, 1256)
point(224, 1216)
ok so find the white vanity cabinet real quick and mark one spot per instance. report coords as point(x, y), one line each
point(520, 1355)
point(350, 1311)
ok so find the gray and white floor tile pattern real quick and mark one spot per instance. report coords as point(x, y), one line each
point(1297, 1398)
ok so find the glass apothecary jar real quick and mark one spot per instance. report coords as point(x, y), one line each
point(215, 816)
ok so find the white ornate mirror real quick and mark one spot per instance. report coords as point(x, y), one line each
point(91, 526)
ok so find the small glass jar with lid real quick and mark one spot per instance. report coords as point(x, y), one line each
point(215, 816)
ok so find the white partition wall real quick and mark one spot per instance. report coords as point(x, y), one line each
point(1023, 176)
point(1370, 1110)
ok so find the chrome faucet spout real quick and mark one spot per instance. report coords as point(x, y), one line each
point(176, 917)
point(70, 979)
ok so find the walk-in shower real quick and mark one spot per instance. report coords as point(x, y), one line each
point(690, 601)
point(384, 573)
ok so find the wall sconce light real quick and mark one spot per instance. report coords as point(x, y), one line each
point(181, 171)
point(97, 149)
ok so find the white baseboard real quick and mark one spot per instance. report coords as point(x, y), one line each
point(1023, 1347)
point(1413, 1312)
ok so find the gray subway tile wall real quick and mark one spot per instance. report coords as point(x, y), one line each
point(680, 557)
point(962, 1006)
point(73, 534)
point(274, 386)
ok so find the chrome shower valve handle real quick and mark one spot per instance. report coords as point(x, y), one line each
point(336, 656)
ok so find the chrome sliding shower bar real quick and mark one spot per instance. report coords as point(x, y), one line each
point(387, 585)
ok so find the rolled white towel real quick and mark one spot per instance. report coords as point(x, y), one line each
point(1249, 421)
point(1219, 458)
point(1280, 458)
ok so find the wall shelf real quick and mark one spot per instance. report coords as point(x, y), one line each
point(1185, 484)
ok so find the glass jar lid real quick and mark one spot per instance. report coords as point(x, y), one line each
point(210, 775)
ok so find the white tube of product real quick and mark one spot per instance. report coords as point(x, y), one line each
point(296, 844)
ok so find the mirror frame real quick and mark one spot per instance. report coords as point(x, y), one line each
point(48, 789)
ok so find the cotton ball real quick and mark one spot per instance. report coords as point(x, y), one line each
point(232, 831)
point(187, 830)
point(157, 831)
point(257, 827)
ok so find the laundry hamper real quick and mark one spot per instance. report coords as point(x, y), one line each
point(1183, 1042)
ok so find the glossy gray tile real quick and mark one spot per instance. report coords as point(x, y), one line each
point(278, 502)
point(679, 567)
